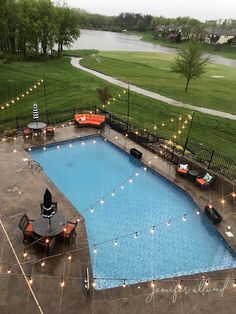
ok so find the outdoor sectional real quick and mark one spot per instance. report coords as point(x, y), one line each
point(90, 120)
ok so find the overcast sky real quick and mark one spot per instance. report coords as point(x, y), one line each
point(200, 9)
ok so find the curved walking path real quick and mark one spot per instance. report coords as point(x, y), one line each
point(76, 63)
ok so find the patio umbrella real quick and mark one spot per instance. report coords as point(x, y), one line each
point(35, 112)
point(48, 208)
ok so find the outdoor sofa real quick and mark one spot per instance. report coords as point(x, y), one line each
point(90, 120)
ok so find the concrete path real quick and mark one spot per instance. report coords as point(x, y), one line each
point(169, 101)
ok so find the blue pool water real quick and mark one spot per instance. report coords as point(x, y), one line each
point(85, 170)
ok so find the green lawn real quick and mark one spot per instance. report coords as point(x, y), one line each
point(152, 71)
point(226, 50)
point(67, 87)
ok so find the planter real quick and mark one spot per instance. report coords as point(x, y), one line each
point(213, 215)
point(136, 153)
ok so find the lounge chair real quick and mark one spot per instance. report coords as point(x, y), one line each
point(204, 180)
point(183, 168)
point(25, 225)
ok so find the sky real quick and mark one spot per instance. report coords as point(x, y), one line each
point(200, 9)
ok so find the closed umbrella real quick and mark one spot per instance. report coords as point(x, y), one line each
point(48, 207)
point(35, 112)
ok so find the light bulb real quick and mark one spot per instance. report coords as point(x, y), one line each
point(94, 249)
point(130, 180)
point(152, 230)
point(94, 284)
point(153, 284)
point(30, 280)
point(102, 201)
point(124, 284)
point(62, 283)
point(92, 209)
point(43, 264)
point(184, 217)
point(136, 235)
point(113, 193)
point(168, 222)
point(116, 242)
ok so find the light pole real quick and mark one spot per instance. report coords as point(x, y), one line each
point(45, 98)
point(128, 103)
point(189, 130)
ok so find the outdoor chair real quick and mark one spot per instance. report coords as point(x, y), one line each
point(46, 243)
point(183, 168)
point(69, 232)
point(25, 225)
point(27, 133)
point(50, 131)
point(204, 180)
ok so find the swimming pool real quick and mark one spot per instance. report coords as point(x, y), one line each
point(145, 227)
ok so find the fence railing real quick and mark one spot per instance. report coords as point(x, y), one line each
point(153, 142)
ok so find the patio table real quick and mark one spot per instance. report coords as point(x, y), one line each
point(51, 227)
point(37, 126)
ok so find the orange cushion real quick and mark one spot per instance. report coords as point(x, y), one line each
point(201, 181)
point(29, 228)
point(68, 228)
point(182, 170)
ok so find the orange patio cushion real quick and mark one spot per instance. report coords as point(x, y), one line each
point(201, 181)
point(182, 170)
point(68, 229)
point(29, 228)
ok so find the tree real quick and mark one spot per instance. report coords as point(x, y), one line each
point(190, 62)
point(103, 95)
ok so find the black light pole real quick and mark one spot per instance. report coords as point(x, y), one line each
point(128, 102)
point(189, 130)
point(45, 98)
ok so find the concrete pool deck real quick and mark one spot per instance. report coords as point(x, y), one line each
point(21, 191)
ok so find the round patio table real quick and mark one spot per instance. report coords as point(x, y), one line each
point(193, 174)
point(37, 125)
point(51, 227)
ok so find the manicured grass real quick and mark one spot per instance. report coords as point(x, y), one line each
point(226, 50)
point(67, 87)
point(152, 71)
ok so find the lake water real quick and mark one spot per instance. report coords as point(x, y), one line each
point(110, 41)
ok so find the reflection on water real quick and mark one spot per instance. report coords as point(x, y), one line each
point(109, 41)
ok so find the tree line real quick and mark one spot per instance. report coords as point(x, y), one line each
point(143, 23)
point(36, 27)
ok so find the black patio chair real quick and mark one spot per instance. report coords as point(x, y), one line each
point(25, 225)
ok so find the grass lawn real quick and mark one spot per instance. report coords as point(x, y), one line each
point(215, 90)
point(226, 50)
point(67, 87)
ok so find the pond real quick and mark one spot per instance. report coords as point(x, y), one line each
point(110, 41)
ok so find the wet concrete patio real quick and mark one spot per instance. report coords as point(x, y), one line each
point(21, 191)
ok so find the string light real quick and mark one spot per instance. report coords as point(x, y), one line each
point(94, 249)
point(130, 180)
point(124, 284)
point(180, 284)
point(92, 209)
point(102, 201)
point(22, 95)
point(153, 284)
point(30, 280)
point(136, 235)
point(113, 193)
point(116, 242)
point(184, 217)
point(43, 263)
point(168, 222)
point(152, 230)
point(94, 284)
point(62, 284)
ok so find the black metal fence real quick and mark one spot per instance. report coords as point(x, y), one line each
point(153, 142)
